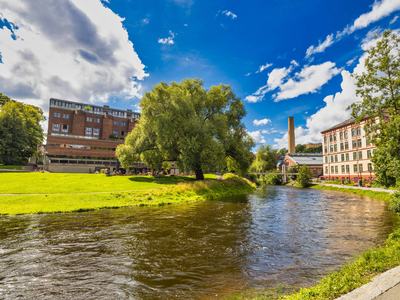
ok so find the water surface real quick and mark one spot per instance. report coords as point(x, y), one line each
point(199, 251)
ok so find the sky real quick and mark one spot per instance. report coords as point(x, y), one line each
point(283, 58)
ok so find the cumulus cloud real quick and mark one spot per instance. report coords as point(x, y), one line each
point(70, 49)
point(261, 122)
point(168, 40)
point(257, 136)
point(263, 67)
point(321, 46)
point(229, 14)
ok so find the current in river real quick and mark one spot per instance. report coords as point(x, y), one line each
point(204, 250)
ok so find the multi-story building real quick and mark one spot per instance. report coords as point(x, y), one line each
point(83, 137)
point(347, 152)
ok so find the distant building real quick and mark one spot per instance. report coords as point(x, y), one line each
point(347, 152)
point(313, 145)
point(313, 161)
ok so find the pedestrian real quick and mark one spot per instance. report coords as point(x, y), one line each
point(342, 181)
point(360, 182)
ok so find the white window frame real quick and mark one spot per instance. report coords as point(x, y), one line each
point(96, 131)
point(88, 131)
point(56, 127)
point(89, 119)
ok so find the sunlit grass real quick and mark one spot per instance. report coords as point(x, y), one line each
point(12, 167)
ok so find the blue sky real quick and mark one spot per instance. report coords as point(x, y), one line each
point(283, 58)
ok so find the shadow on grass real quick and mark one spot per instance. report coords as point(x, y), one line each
point(162, 179)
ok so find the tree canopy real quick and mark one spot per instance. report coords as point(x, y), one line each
point(379, 90)
point(187, 124)
point(20, 130)
point(266, 159)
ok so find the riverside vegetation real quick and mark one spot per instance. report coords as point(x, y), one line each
point(92, 192)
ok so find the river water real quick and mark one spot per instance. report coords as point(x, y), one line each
point(200, 251)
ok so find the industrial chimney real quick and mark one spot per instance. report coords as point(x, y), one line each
point(292, 145)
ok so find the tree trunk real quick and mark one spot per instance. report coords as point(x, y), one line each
point(199, 174)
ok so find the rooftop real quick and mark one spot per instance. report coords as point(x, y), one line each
point(306, 158)
point(347, 122)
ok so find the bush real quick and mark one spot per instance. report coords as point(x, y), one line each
point(273, 179)
point(395, 202)
point(305, 177)
point(293, 169)
point(252, 177)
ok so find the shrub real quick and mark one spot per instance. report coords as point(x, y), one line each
point(272, 179)
point(252, 177)
point(305, 177)
point(395, 202)
point(293, 169)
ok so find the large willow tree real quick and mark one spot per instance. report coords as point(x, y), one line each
point(198, 129)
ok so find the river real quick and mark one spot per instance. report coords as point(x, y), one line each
point(204, 250)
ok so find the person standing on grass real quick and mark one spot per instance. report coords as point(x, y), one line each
point(342, 181)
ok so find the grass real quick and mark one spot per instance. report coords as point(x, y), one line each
point(180, 192)
point(12, 167)
point(53, 183)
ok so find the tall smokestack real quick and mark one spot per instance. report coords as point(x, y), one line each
point(292, 145)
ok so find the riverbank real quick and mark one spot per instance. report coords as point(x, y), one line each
point(382, 194)
point(160, 191)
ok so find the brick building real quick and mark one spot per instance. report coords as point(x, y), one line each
point(83, 137)
point(347, 152)
point(313, 161)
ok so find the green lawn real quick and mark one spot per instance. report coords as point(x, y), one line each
point(52, 183)
point(10, 167)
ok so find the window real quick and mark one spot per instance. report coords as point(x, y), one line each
point(335, 148)
point(360, 155)
point(359, 142)
point(358, 130)
point(331, 158)
point(96, 120)
point(89, 131)
point(326, 170)
point(334, 137)
point(346, 145)
point(89, 119)
point(97, 109)
point(342, 168)
point(330, 138)
point(347, 157)
point(341, 135)
point(341, 147)
point(123, 123)
point(64, 128)
point(65, 116)
point(326, 159)
point(336, 158)
point(354, 155)
point(332, 169)
point(123, 133)
point(354, 144)
point(369, 153)
point(78, 106)
point(326, 149)
point(361, 167)
point(56, 127)
point(325, 139)
point(369, 167)
point(336, 169)
point(116, 123)
point(331, 148)
point(56, 115)
point(355, 168)
point(342, 157)
point(345, 134)
point(115, 132)
point(96, 131)
point(353, 132)
point(347, 168)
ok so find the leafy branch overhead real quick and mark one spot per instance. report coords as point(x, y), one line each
point(199, 129)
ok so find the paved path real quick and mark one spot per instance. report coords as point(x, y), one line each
point(358, 188)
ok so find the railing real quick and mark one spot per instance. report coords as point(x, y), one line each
point(84, 137)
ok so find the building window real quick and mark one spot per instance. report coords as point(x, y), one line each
point(123, 133)
point(345, 134)
point(336, 158)
point(336, 169)
point(342, 157)
point(354, 144)
point(115, 132)
point(56, 115)
point(342, 168)
point(360, 155)
point(331, 158)
point(68, 104)
point(354, 155)
point(341, 135)
point(331, 148)
point(56, 127)
point(369, 167)
point(335, 148)
point(96, 131)
point(334, 137)
point(358, 130)
point(325, 139)
point(65, 116)
point(355, 168)
point(361, 167)
point(369, 153)
point(89, 131)
point(353, 132)
point(89, 119)
point(347, 157)
point(347, 168)
point(96, 120)
point(97, 109)
point(326, 159)
point(116, 123)
point(123, 123)
point(346, 145)
point(326, 170)
point(326, 149)
point(341, 147)
point(330, 138)
point(77, 106)
point(359, 143)
point(332, 169)
point(64, 128)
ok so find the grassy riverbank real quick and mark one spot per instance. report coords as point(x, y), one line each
point(377, 195)
point(167, 191)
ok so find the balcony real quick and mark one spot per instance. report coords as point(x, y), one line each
point(65, 135)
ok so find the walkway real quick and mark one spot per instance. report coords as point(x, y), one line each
point(358, 188)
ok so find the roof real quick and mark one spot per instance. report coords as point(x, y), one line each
point(307, 158)
point(347, 122)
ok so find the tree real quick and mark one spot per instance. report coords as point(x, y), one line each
point(282, 151)
point(293, 169)
point(266, 159)
point(300, 148)
point(305, 177)
point(379, 90)
point(20, 131)
point(195, 127)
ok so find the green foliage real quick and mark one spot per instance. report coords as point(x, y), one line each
point(377, 195)
point(282, 151)
point(113, 136)
point(293, 169)
point(20, 131)
point(304, 179)
point(195, 127)
point(266, 159)
point(379, 89)
point(12, 167)
point(271, 179)
point(395, 202)
point(88, 108)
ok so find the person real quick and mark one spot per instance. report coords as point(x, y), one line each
point(342, 181)
point(360, 182)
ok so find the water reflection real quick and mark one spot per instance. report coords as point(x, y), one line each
point(204, 250)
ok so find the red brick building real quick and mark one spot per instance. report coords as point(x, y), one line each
point(83, 137)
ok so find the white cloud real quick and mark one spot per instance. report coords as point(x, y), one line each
point(394, 19)
point(309, 80)
point(350, 62)
point(263, 67)
point(261, 122)
point(321, 46)
point(185, 25)
point(168, 40)
point(257, 136)
point(229, 14)
point(248, 74)
point(77, 50)
point(265, 131)
point(145, 21)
